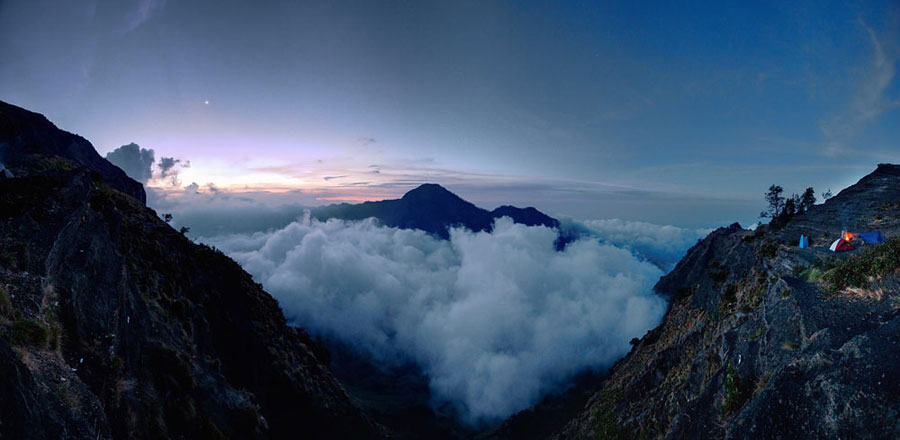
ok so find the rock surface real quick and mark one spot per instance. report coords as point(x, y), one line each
point(751, 348)
point(114, 325)
point(28, 139)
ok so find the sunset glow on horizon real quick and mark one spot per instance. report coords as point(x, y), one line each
point(601, 110)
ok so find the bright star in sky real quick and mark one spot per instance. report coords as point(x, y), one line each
point(605, 93)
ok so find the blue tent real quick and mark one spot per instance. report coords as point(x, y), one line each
point(872, 237)
point(804, 242)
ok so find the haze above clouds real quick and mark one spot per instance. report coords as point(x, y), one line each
point(495, 320)
point(635, 110)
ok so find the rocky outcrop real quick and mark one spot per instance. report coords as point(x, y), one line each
point(28, 139)
point(755, 345)
point(114, 325)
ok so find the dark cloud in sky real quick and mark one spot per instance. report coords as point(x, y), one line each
point(170, 168)
point(166, 165)
point(137, 162)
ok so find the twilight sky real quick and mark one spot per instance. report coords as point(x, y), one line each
point(663, 112)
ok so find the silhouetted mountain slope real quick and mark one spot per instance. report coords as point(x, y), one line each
point(29, 139)
point(433, 209)
point(759, 343)
point(112, 324)
point(527, 216)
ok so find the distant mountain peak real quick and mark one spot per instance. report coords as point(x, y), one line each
point(431, 191)
point(429, 187)
point(433, 209)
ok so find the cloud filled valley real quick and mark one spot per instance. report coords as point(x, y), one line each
point(495, 320)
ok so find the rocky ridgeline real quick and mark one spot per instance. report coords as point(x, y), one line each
point(112, 324)
point(759, 344)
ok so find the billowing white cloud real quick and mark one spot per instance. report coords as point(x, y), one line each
point(663, 245)
point(495, 320)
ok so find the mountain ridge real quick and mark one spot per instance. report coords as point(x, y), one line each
point(29, 137)
point(756, 344)
point(113, 324)
point(433, 209)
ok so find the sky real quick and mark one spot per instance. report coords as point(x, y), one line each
point(669, 112)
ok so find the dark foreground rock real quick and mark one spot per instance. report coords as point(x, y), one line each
point(756, 345)
point(114, 325)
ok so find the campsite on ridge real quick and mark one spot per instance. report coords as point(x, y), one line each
point(763, 336)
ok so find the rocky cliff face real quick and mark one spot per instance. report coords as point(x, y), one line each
point(760, 343)
point(112, 324)
point(28, 140)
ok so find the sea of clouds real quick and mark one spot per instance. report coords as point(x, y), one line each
point(495, 320)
